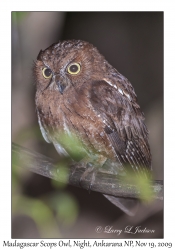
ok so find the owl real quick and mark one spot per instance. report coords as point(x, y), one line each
point(78, 92)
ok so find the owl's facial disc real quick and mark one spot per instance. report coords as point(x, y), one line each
point(62, 74)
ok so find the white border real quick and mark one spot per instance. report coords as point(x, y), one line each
point(169, 93)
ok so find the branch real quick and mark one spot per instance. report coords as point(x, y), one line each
point(104, 183)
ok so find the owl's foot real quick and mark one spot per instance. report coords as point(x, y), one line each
point(90, 168)
point(73, 170)
point(75, 167)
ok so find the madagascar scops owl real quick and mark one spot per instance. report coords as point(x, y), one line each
point(79, 92)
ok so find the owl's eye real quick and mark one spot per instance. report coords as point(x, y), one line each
point(73, 68)
point(47, 73)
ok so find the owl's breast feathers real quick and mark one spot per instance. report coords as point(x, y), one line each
point(107, 122)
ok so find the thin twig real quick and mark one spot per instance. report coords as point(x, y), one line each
point(104, 183)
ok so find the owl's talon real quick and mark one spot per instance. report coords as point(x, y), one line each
point(90, 169)
point(92, 179)
point(74, 168)
point(73, 171)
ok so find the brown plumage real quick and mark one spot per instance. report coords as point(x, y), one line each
point(79, 92)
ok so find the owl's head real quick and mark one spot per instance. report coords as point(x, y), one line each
point(68, 64)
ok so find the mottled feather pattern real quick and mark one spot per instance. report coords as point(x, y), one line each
point(125, 123)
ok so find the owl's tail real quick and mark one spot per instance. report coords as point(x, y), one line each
point(127, 205)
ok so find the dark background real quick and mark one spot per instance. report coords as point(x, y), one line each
point(133, 43)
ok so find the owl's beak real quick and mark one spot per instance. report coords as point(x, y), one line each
point(60, 83)
point(61, 87)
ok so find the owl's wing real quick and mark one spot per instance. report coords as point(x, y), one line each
point(123, 123)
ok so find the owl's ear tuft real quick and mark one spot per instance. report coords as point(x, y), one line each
point(39, 56)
